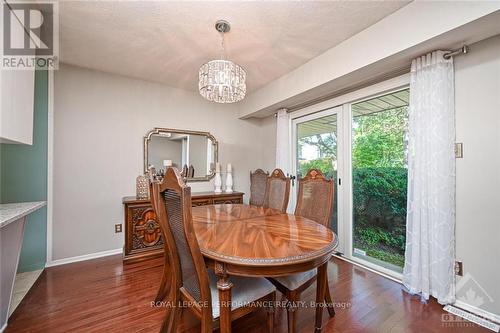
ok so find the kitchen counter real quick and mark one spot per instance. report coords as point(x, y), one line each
point(12, 222)
point(14, 211)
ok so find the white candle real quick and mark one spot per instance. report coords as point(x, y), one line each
point(229, 168)
point(167, 163)
point(217, 167)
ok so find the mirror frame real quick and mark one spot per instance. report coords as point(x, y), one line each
point(159, 130)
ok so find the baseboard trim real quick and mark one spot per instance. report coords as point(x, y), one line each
point(84, 257)
point(477, 311)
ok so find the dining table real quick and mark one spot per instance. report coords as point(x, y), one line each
point(253, 241)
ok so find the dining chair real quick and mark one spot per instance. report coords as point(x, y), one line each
point(191, 283)
point(277, 191)
point(258, 184)
point(314, 202)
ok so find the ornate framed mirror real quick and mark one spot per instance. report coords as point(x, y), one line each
point(194, 153)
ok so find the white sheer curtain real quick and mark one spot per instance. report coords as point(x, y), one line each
point(283, 141)
point(430, 240)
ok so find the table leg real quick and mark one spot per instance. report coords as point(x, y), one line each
point(320, 295)
point(224, 286)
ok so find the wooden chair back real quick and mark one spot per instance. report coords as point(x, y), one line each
point(315, 197)
point(277, 191)
point(184, 263)
point(258, 184)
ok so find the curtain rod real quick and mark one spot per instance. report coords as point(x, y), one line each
point(463, 50)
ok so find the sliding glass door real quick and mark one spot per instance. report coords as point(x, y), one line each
point(379, 179)
point(316, 146)
point(362, 145)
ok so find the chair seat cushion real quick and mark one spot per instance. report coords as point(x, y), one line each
point(294, 281)
point(245, 290)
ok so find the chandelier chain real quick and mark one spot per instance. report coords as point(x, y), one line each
point(223, 46)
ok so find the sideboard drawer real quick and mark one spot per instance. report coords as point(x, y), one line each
point(235, 200)
point(200, 202)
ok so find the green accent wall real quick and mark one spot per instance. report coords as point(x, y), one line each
point(23, 177)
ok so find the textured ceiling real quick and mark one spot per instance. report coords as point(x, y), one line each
point(168, 41)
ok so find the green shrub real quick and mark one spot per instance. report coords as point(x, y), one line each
point(322, 164)
point(379, 202)
point(379, 207)
point(379, 197)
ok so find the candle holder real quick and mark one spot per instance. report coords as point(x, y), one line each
point(217, 179)
point(229, 179)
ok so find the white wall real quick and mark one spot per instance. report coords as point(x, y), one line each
point(100, 120)
point(269, 137)
point(477, 96)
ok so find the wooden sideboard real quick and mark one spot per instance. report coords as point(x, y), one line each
point(143, 239)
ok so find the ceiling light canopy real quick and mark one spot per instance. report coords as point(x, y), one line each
point(222, 81)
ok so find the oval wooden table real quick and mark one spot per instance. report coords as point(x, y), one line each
point(253, 241)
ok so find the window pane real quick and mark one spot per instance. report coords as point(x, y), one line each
point(317, 149)
point(380, 179)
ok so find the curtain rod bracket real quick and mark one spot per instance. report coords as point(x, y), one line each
point(280, 109)
point(463, 50)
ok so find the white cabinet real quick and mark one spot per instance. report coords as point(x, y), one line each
point(17, 89)
point(16, 106)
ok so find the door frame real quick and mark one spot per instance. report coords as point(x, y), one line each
point(337, 110)
point(342, 105)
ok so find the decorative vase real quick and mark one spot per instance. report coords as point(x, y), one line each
point(229, 179)
point(217, 179)
point(142, 187)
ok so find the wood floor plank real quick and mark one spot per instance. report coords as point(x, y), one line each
point(104, 295)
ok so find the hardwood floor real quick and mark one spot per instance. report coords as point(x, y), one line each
point(103, 295)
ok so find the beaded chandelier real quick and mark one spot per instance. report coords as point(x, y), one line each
point(222, 81)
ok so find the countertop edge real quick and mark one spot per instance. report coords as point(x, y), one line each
point(26, 209)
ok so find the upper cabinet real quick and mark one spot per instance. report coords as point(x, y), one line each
point(16, 108)
point(16, 101)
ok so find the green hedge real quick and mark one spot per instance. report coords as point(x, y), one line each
point(379, 202)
